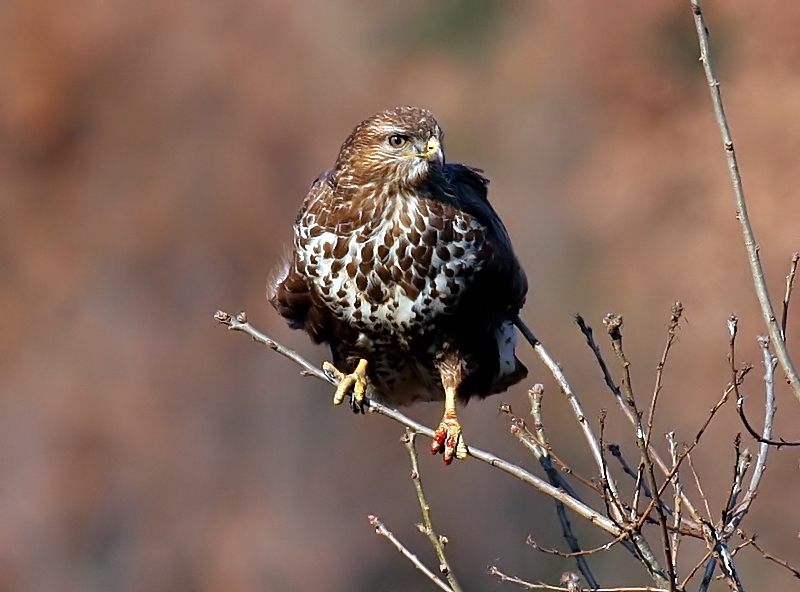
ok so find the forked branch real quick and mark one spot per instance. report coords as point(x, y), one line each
point(239, 323)
point(750, 243)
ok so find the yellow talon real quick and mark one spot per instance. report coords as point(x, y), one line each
point(448, 438)
point(357, 381)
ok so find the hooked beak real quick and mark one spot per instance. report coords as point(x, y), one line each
point(433, 150)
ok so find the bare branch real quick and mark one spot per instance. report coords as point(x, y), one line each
point(694, 570)
point(717, 539)
point(708, 574)
point(385, 532)
point(577, 554)
point(675, 316)
point(756, 436)
point(698, 485)
point(676, 483)
point(569, 588)
point(763, 449)
point(542, 453)
point(769, 557)
point(437, 542)
point(741, 465)
point(765, 439)
point(240, 324)
point(716, 543)
point(577, 408)
point(545, 455)
point(622, 528)
point(750, 243)
point(731, 387)
point(613, 325)
point(733, 324)
point(616, 452)
point(643, 551)
point(589, 335)
point(614, 505)
point(788, 293)
point(535, 395)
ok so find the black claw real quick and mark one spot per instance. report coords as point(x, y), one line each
point(357, 407)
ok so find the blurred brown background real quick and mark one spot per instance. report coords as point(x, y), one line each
point(152, 158)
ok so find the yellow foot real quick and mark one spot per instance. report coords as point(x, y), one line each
point(355, 383)
point(448, 439)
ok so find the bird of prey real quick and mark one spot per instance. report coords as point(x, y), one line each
point(405, 270)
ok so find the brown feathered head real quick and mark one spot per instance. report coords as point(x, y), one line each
point(399, 148)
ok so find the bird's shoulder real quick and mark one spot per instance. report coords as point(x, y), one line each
point(467, 190)
point(470, 190)
point(468, 182)
point(318, 198)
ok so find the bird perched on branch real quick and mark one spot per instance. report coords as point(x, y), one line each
point(404, 269)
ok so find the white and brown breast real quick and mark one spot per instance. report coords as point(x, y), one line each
point(397, 267)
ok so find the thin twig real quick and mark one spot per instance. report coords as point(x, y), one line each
point(686, 454)
point(542, 452)
point(759, 437)
point(616, 452)
point(588, 333)
point(385, 532)
point(576, 554)
point(545, 456)
point(698, 485)
point(750, 243)
point(643, 551)
point(674, 319)
point(717, 539)
point(637, 490)
point(694, 570)
point(741, 464)
point(535, 395)
point(769, 416)
point(577, 408)
point(613, 325)
point(614, 505)
point(632, 418)
point(769, 378)
point(769, 557)
point(726, 393)
point(676, 483)
point(540, 586)
point(716, 543)
point(733, 324)
point(788, 293)
point(708, 574)
point(426, 527)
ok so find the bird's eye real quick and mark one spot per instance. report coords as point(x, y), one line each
point(397, 140)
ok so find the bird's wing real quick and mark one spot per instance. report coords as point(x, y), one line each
point(292, 295)
point(470, 195)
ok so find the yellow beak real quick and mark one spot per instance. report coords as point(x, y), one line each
point(433, 149)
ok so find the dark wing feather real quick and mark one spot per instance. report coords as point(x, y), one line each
point(469, 190)
point(497, 293)
point(293, 297)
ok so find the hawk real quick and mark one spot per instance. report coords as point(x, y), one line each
point(405, 270)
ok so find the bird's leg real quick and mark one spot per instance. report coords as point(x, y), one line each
point(356, 380)
point(448, 439)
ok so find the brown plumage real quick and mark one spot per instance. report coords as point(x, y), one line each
point(401, 265)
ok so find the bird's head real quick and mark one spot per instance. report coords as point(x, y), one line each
point(400, 147)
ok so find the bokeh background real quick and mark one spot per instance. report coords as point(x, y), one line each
point(152, 158)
